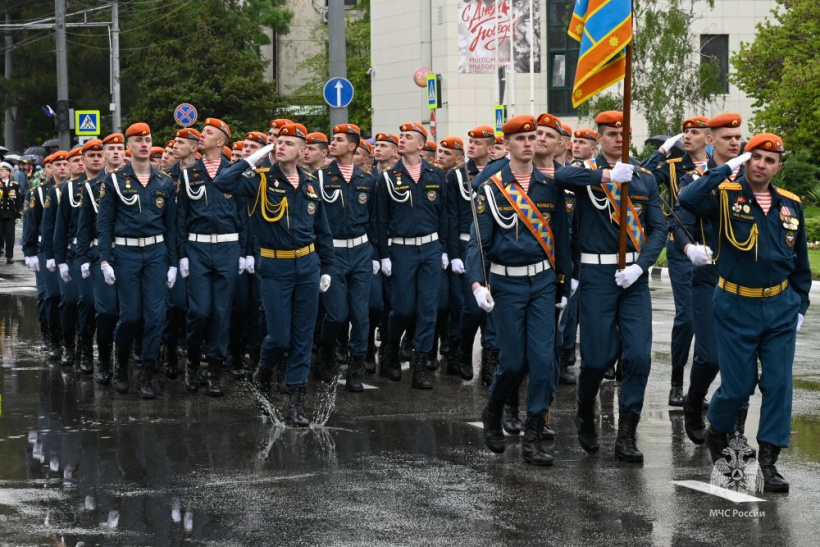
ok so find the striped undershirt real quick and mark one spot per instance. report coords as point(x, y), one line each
point(347, 171)
point(144, 179)
point(764, 199)
point(293, 180)
point(414, 171)
point(548, 171)
point(479, 167)
point(735, 173)
point(523, 180)
point(212, 166)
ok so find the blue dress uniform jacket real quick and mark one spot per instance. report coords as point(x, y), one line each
point(87, 232)
point(67, 219)
point(33, 217)
point(459, 198)
point(49, 220)
point(48, 289)
point(351, 207)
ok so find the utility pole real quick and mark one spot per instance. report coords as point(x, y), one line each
point(337, 52)
point(9, 122)
point(116, 105)
point(62, 77)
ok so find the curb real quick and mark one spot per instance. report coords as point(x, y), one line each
point(659, 273)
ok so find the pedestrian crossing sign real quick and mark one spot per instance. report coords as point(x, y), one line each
point(500, 112)
point(86, 122)
point(433, 91)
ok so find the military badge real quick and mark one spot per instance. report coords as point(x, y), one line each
point(311, 208)
point(432, 195)
point(547, 217)
point(481, 204)
point(790, 238)
point(638, 208)
point(102, 191)
point(12, 194)
point(570, 204)
point(160, 202)
point(736, 208)
point(362, 198)
point(128, 182)
point(31, 202)
point(747, 209)
point(47, 203)
point(334, 178)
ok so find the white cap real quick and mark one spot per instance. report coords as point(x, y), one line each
point(6, 165)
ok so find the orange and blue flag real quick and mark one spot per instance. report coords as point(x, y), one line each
point(604, 28)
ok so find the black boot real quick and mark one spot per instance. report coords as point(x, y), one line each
point(103, 375)
point(406, 348)
point(512, 423)
point(342, 347)
point(773, 481)
point(326, 362)
point(443, 328)
point(67, 360)
point(192, 366)
point(462, 355)
point(625, 447)
point(491, 419)
point(352, 382)
point(740, 431)
point(171, 358)
point(390, 367)
point(121, 370)
point(716, 442)
point(610, 373)
point(238, 368)
point(55, 351)
point(369, 363)
point(531, 449)
point(146, 376)
point(432, 356)
point(87, 359)
point(214, 385)
point(489, 362)
point(45, 345)
point(676, 393)
point(253, 362)
point(281, 372)
point(549, 432)
point(419, 366)
point(585, 426)
point(567, 377)
point(297, 417)
point(262, 379)
point(693, 417)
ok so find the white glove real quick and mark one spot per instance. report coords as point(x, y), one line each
point(258, 155)
point(324, 283)
point(445, 261)
point(626, 277)
point(573, 286)
point(108, 274)
point(184, 267)
point(242, 265)
point(376, 267)
point(666, 147)
point(249, 264)
point(484, 299)
point(64, 273)
point(800, 318)
point(171, 277)
point(33, 263)
point(622, 172)
point(699, 255)
point(562, 304)
point(51, 265)
point(734, 163)
point(85, 269)
point(458, 266)
point(387, 267)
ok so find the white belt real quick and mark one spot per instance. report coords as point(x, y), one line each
point(213, 238)
point(591, 258)
point(422, 240)
point(464, 237)
point(39, 239)
point(350, 243)
point(520, 271)
point(139, 241)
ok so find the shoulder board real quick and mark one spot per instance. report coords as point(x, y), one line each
point(117, 170)
point(674, 160)
point(644, 170)
point(310, 175)
point(730, 186)
point(789, 195)
point(263, 170)
point(166, 173)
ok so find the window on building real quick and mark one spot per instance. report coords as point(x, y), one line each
point(714, 62)
point(562, 55)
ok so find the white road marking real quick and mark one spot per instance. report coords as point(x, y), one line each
point(481, 426)
point(731, 495)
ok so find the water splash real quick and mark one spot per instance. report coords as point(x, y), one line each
point(113, 519)
point(325, 402)
point(263, 403)
point(90, 503)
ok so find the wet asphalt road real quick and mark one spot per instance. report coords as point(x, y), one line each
point(80, 464)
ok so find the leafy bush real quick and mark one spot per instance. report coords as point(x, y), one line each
point(813, 229)
point(799, 175)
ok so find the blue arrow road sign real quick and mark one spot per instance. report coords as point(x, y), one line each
point(338, 92)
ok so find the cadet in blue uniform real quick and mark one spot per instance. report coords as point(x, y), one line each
point(137, 214)
point(413, 229)
point(211, 239)
point(289, 221)
point(349, 199)
point(762, 295)
point(88, 251)
point(11, 208)
point(669, 172)
point(615, 305)
point(524, 232)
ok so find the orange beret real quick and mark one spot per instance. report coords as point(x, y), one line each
point(499, 140)
point(729, 119)
point(157, 151)
point(766, 141)
point(349, 128)
point(548, 120)
point(127, 153)
point(481, 132)
point(293, 130)
point(48, 159)
point(586, 134)
point(413, 126)
point(566, 130)
point(696, 121)
point(237, 145)
point(94, 144)
point(59, 155)
point(187, 133)
point(114, 138)
point(170, 144)
point(257, 137)
point(218, 124)
point(139, 129)
point(614, 118)
point(280, 123)
point(316, 138)
point(226, 152)
point(519, 124)
point(387, 137)
point(74, 152)
point(430, 146)
point(453, 143)
point(366, 146)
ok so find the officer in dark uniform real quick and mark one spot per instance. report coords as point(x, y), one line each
point(524, 232)
point(413, 229)
point(11, 208)
point(762, 295)
point(137, 214)
point(88, 252)
point(211, 239)
point(236, 150)
point(289, 221)
point(614, 304)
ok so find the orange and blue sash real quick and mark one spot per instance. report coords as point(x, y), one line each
point(634, 228)
point(529, 215)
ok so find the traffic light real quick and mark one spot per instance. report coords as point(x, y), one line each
point(62, 121)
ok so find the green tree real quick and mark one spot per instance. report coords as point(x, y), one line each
point(779, 70)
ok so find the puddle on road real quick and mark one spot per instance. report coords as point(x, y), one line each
point(805, 441)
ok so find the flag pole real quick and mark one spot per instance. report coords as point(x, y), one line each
point(627, 137)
